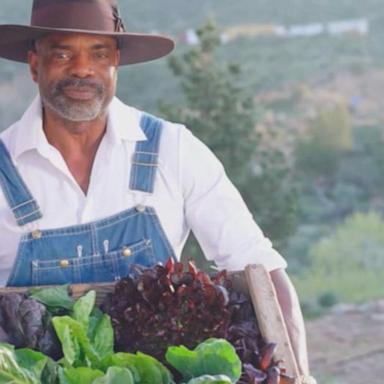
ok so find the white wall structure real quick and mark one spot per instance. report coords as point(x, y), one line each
point(333, 28)
point(358, 26)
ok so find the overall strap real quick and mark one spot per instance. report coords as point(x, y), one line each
point(145, 158)
point(20, 200)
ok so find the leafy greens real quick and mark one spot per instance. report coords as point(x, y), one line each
point(213, 357)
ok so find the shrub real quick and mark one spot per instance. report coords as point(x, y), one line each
point(327, 299)
point(349, 263)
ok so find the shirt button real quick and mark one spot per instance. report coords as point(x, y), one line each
point(126, 252)
point(64, 263)
point(140, 208)
point(36, 234)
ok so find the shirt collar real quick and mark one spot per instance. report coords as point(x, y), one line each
point(124, 122)
point(123, 125)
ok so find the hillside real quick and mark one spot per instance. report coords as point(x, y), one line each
point(172, 16)
point(267, 63)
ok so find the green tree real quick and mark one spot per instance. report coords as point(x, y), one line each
point(223, 115)
point(329, 135)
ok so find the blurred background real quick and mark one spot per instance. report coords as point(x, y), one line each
point(288, 95)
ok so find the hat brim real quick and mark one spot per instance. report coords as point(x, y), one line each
point(134, 47)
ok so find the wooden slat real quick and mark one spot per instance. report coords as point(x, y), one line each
point(102, 290)
point(5, 290)
point(288, 380)
point(269, 315)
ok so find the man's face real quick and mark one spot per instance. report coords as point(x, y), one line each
point(76, 74)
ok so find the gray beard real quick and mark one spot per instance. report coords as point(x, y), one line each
point(72, 110)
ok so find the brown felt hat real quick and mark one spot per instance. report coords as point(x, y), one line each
point(98, 17)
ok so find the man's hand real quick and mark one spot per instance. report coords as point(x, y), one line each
point(293, 317)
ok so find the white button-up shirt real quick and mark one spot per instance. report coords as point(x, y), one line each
point(192, 190)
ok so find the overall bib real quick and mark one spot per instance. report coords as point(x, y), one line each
point(98, 251)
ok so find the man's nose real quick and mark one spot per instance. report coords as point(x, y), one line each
point(81, 66)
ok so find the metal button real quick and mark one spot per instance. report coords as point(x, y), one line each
point(36, 234)
point(140, 208)
point(64, 263)
point(126, 252)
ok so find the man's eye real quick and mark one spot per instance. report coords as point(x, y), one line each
point(101, 55)
point(61, 56)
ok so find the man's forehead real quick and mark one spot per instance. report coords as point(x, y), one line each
point(75, 38)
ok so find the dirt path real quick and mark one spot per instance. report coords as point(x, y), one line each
point(347, 347)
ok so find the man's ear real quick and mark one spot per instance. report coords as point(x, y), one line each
point(33, 64)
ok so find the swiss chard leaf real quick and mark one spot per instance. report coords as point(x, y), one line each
point(54, 298)
point(83, 375)
point(116, 375)
point(13, 370)
point(212, 357)
point(209, 379)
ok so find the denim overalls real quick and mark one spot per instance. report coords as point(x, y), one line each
point(99, 251)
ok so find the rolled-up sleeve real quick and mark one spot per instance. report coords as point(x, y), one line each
point(217, 214)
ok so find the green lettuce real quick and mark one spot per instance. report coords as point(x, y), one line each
point(83, 307)
point(145, 368)
point(209, 379)
point(54, 298)
point(22, 366)
point(87, 336)
point(87, 340)
point(83, 375)
point(212, 357)
point(116, 375)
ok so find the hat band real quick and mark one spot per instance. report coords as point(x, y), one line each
point(75, 15)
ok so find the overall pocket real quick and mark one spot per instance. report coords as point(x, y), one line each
point(95, 268)
point(120, 261)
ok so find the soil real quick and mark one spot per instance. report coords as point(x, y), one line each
point(347, 346)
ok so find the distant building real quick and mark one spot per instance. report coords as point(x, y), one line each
point(189, 37)
point(251, 30)
point(358, 26)
point(342, 27)
point(306, 30)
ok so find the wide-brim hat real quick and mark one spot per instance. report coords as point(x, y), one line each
point(96, 17)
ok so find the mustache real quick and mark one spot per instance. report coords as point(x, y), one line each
point(78, 83)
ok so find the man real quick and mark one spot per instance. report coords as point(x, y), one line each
point(90, 185)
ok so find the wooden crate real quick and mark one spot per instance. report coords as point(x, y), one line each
point(256, 283)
